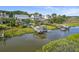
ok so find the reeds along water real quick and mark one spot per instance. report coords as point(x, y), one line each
point(3, 41)
point(1, 33)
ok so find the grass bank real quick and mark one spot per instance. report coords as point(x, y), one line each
point(17, 31)
point(3, 26)
point(72, 24)
point(50, 27)
point(68, 44)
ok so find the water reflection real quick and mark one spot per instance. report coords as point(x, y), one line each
point(40, 36)
point(3, 40)
point(65, 33)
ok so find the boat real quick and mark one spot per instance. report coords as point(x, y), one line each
point(39, 29)
point(63, 27)
point(66, 26)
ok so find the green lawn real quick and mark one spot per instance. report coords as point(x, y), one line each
point(68, 44)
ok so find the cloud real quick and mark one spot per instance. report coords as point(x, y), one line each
point(71, 12)
point(53, 9)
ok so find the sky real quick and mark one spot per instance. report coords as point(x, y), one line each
point(67, 10)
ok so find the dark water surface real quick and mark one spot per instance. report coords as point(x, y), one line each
point(32, 42)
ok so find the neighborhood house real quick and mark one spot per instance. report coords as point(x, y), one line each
point(21, 17)
point(38, 17)
point(17, 16)
point(4, 15)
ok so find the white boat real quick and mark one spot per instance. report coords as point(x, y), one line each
point(63, 27)
point(39, 29)
point(66, 26)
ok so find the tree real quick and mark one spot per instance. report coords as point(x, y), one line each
point(57, 19)
point(9, 21)
point(36, 13)
point(54, 15)
point(11, 14)
point(60, 19)
point(27, 21)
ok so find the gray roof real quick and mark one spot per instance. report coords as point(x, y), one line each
point(21, 16)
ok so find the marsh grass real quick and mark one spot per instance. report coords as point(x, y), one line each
point(68, 44)
point(72, 24)
point(17, 31)
point(51, 27)
point(3, 26)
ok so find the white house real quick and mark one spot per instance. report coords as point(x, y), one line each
point(38, 17)
point(32, 17)
point(35, 17)
point(47, 16)
point(4, 15)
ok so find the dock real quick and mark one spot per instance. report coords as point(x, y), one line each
point(62, 27)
